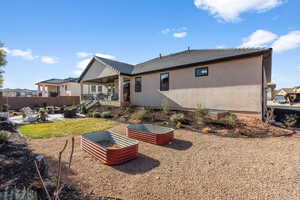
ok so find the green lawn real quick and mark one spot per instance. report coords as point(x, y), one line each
point(66, 127)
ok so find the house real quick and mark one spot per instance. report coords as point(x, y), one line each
point(284, 91)
point(222, 79)
point(59, 87)
point(294, 93)
point(7, 92)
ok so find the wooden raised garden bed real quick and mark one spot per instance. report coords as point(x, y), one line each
point(108, 147)
point(151, 134)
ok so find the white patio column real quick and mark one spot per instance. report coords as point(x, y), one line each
point(81, 91)
point(121, 96)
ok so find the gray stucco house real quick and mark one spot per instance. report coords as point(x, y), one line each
point(222, 79)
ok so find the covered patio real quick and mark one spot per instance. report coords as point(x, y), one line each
point(111, 90)
point(108, 82)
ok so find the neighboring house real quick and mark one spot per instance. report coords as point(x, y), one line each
point(294, 93)
point(17, 92)
point(284, 91)
point(221, 79)
point(59, 87)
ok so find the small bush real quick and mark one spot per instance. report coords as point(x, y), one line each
point(4, 136)
point(97, 115)
point(18, 194)
point(165, 106)
point(83, 109)
point(5, 108)
point(177, 117)
point(230, 120)
point(139, 115)
point(107, 114)
point(200, 114)
point(290, 120)
point(129, 108)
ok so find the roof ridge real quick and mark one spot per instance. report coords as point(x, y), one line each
point(114, 60)
point(195, 50)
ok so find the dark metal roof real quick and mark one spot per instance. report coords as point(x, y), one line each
point(193, 57)
point(121, 67)
point(182, 59)
point(59, 81)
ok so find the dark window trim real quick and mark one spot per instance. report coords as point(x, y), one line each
point(135, 88)
point(160, 81)
point(201, 68)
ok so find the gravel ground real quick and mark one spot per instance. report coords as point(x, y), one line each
point(193, 166)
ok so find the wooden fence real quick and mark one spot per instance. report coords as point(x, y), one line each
point(16, 103)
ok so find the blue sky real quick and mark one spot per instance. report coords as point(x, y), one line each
point(55, 39)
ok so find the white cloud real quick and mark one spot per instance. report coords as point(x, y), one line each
point(259, 38)
point(165, 31)
point(287, 42)
point(86, 54)
point(105, 55)
point(176, 32)
point(298, 67)
point(81, 65)
point(27, 54)
point(180, 35)
point(230, 10)
point(49, 60)
point(221, 47)
point(83, 54)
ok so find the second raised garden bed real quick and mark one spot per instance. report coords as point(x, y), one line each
point(151, 134)
point(108, 147)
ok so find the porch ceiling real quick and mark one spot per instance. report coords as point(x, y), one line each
point(103, 80)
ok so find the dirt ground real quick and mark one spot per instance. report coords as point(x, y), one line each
point(193, 166)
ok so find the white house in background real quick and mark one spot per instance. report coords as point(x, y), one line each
point(65, 87)
point(7, 92)
point(59, 87)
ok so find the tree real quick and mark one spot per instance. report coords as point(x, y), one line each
point(2, 63)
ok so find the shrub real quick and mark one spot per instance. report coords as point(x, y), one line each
point(290, 120)
point(19, 194)
point(177, 117)
point(5, 107)
point(165, 106)
point(139, 115)
point(83, 109)
point(230, 120)
point(200, 113)
point(106, 114)
point(4, 136)
point(96, 114)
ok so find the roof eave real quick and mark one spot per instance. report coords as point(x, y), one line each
point(209, 61)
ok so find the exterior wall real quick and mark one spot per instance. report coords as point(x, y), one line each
point(73, 89)
point(233, 85)
point(98, 70)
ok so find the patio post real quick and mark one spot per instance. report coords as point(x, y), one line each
point(81, 91)
point(121, 99)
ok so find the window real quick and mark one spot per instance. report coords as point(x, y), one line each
point(100, 88)
point(93, 88)
point(138, 84)
point(202, 71)
point(164, 82)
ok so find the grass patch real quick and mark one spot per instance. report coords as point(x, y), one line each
point(66, 127)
